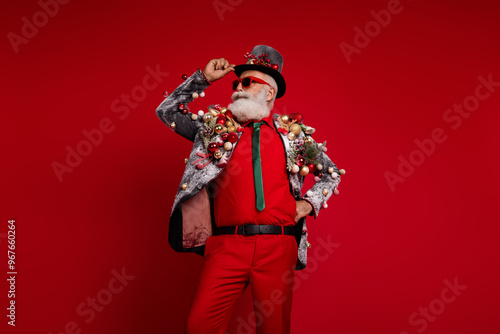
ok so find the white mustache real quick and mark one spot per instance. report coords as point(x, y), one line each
point(239, 95)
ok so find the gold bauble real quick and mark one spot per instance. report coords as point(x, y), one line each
point(291, 136)
point(231, 129)
point(218, 128)
point(330, 170)
point(195, 95)
point(325, 192)
point(304, 170)
point(309, 245)
point(285, 118)
point(194, 117)
point(223, 110)
point(308, 141)
point(172, 125)
point(186, 160)
point(296, 129)
point(207, 117)
point(342, 171)
point(228, 146)
point(184, 186)
point(217, 154)
point(229, 123)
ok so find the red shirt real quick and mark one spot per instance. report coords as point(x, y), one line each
point(234, 201)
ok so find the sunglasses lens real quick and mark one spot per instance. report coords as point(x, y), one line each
point(235, 84)
point(245, 82)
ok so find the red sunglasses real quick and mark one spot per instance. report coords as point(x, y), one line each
point(247, 81)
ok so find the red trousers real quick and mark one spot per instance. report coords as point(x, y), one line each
point(231, 263)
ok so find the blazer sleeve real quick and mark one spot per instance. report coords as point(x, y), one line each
point(170, 113)
point(324, 188)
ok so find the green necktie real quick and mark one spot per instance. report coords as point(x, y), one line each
point(257, 168)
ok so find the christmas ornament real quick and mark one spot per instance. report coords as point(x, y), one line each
point(228, 146)
point(195, 95)
point(165, 94)
point(296, 129)
point(184, 77)
point(330, 170)
point(202, 94)
point(342, 171)
point(201, 113)
point(207, 117)
point(233, 137)
point(212, 147)
point(308, 140)
point(325, 192)
point(231, 129)
point(304, 171)
point(334, 175)
point(284, 118)
point(184, 186)
point(217, 154)
point(325, 206)
point(194, 117)
point(218, 128)
point(309, 193)
point(291, 136)
point(172, 125)
point(336, 191)
point(297, 117)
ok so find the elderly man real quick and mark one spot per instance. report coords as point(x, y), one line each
point(239, 203)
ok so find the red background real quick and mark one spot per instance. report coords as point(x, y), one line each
point(396, 248)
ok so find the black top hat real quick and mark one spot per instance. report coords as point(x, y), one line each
point(265, 59)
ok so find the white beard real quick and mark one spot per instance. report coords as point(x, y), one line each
point(246, 107)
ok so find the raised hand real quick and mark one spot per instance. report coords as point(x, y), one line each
point(217, 68)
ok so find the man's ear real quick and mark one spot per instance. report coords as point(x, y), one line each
point(271, 93)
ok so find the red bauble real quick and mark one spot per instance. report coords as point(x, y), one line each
point(298, 117)
point(224, 136)
point(300, 161)
point(184, 111)
point(275, 67)
point(221, 121)
point(232, 137)
point(217, 107)
point(181, 106)
point(320, 175)
point(212, 147)
point(311, 167)
point(184, 76)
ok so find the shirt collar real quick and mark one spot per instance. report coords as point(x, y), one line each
point(269, 120)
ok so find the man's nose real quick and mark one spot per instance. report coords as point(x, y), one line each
point(239, 88)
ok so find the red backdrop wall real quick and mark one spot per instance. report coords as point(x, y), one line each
point(406, 94)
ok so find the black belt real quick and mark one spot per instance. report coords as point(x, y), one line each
point(251, 229)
